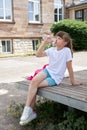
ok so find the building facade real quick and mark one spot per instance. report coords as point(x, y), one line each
point(24, 23)
point(76, 9)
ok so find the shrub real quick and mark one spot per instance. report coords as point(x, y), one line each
point(73, 120)
point(47, 46)
point(76, 29)
point(52, 116)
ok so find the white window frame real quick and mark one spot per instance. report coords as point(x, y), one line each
point(58, 5)
point(6, 52)
point(33, 12)
point(5, 10)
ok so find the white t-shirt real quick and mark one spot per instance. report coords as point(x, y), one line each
point(57, 62)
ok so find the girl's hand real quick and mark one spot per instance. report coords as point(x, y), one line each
point(48, 40)
point(75, 83)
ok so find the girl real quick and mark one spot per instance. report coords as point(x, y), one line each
point(60, 57)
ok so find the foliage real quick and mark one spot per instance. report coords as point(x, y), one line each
point(15, 109)
point(47, 46)
point(76, 29)
point(52, 116)
point(73, 120)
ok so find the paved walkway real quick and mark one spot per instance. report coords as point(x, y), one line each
point(16, 69)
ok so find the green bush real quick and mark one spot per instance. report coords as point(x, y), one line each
point(47, 46)
point(52, 116)
point(76, 29)
point(73, 120)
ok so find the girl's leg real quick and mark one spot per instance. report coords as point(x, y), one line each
point(33, 102)
point(28, 114)
point(38, 81)
point(42, 84)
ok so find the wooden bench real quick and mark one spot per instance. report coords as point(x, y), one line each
point(65, 93)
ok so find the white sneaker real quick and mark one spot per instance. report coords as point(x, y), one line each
point(27, 116)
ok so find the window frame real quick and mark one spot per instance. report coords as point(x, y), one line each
point(81, 18)
point(5, 10)
point(6, 40)
point(39, 11)
point(35, 42)
point(59, 6)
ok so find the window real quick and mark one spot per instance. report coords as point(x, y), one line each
point(6, 46)
point(5, 10)
point(34, 11)
point(79, 15)
point(83, 0)
point(34, 44)
point(58, 10)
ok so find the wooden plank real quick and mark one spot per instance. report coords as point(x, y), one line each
point(66, 93)
point(76, 90)
point(80, 105)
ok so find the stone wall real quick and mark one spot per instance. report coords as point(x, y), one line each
point(85, 14)
point(21, 31)
point(22, 46)
point(20, 26)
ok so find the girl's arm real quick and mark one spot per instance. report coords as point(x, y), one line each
point(40, 52)
point(71, 74)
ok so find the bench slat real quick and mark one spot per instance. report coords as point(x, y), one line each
point(64, 100)
point(66, 93)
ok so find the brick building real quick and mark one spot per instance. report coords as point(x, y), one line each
point(23, 23)
point(77, 9)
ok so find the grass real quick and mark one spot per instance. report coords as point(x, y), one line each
point(52, 116)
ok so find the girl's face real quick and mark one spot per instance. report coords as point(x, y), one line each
point(60, 43)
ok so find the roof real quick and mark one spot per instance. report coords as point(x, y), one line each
point(77, 5)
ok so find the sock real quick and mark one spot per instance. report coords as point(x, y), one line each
point(29, 108)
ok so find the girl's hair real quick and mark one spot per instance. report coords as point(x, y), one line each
point(66, 37)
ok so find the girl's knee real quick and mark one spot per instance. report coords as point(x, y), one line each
point(38, 79)
point(34, 82)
